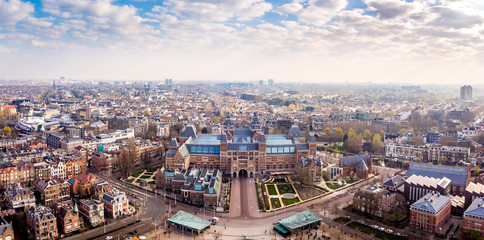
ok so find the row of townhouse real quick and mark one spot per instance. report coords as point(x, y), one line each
point(25, 174)
point(427, 153)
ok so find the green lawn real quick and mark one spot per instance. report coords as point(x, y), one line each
point(289, 201)
point(285, 188)
point(339, 148)
point(136, 174)
point(374, 232)
point(271, 189)
point(145, 177)
point(129, 180)
point(342, 220)
point(275, 203)
point(152, 182)
point(349, 181)
point(333, 186)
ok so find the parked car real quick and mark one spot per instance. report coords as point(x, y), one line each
point(374, 226)
point(388, 231)
point(381, 229)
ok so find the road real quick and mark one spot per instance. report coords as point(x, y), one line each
point(152, 209)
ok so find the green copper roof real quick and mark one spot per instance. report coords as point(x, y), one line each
point(190, 221)
point(299, 220)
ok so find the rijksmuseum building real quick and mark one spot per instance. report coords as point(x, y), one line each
point(241, 151)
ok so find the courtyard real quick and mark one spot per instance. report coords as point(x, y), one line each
point(280, 192)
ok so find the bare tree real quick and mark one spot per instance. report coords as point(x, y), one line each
point(146, 156)
point(125, 163)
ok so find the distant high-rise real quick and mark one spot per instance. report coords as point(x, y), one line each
point(466, 92)
point(168, 82)
point(271, 82)
point(261, 82)
point(62, 80)
point(53, 84)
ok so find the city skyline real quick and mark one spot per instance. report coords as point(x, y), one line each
point(420, 41)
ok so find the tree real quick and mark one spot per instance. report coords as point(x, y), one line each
point(338, 135)
point(327, 131)
point(215, 118)
point(477, 170)
point(302, 174)
point(125, 163)
point(351, 133)
point(151, 130)
point(146, 156)
point(402, 131)
point(6, 131)
point(382, 135)
point(467, 117)
point(442, 159)
point(146, 113)
point(353, 144)
point(366, 135)
point(376, 144)
point(415, 140)
point(204, 130)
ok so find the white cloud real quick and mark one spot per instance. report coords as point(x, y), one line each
point(217, 10)
point(389, 9)
point(315, 12)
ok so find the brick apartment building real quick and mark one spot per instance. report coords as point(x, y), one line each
point(373, 200)
point(115, 204)
point(92, 211)
point(430, 212)
point(52, 191)
point(68, 218)
point(43, 222)
point(474, 217)
point(14, 174)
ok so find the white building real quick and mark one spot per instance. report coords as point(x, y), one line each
point(113, 137)
point(162, 130)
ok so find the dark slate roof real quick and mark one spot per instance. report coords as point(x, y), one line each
point(305, 162)
point(189, 131)
point(302, 147)
point(4, 225)
point(476, 208)
point(171, 153)
point(394, 182)
point(294, 131)
point(173, 143)
point(360, 162)
point(458, 175)
point(242, 135)
point(312, 139)
point(179, 177)
point(432, 202)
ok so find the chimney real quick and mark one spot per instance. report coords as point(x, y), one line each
point(431, 200)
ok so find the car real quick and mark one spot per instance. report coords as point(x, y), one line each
point(374, 226)
point(381, 229)
point(398, 234)
point(388, 231)
point(361, 221)
point(109, 237)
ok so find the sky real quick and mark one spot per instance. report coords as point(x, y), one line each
point(313, 41)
